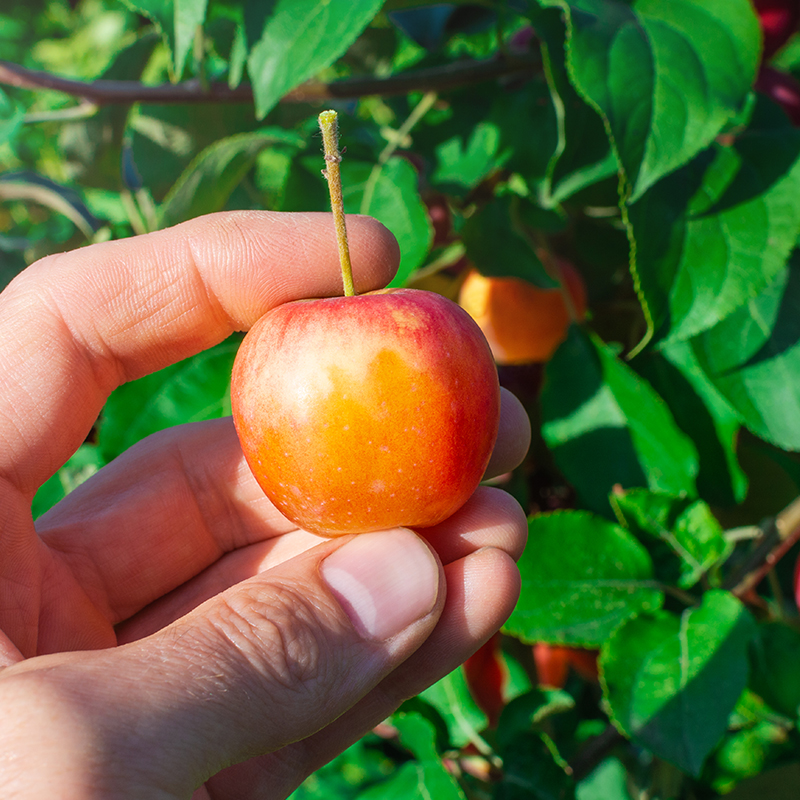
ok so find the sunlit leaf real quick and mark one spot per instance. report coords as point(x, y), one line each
point(671, 682)
point(208, 181)
point(713, 235)
point(666, 76)
point(606, 426)
point(390, 193)
point(579, 600)
point(292, 40)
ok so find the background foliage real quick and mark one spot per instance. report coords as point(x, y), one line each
point(652, 145)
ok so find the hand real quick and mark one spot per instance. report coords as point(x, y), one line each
point(164, 628)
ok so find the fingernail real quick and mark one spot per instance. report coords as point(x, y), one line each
point(384, 581)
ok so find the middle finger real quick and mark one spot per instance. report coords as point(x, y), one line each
point(172, 506)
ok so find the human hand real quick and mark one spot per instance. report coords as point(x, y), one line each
point(164, 628)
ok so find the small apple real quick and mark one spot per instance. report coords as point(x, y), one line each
point(486, 679)
point(584, 662)
point(440, 217)
point(366, 412)
point(779, 19)
point(781, 87)
point(553, 663)
point(522, 322)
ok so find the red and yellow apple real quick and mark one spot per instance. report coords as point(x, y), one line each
point(486, 678)
point(781, 87)
point(522, 323)
point(778, 19)
point(554, 661)
point(367, 412)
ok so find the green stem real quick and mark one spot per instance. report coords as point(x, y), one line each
point(395, 140)
point(328, 124)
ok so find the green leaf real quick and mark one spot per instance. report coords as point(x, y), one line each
point(271, 175)
point(714, 234)
point(579, 600)
point(607, 781)
point(162, 14)
point(531, 711)
point(686, 526)
point(80, 467)
point(197, 388)
point(28, 186)
point(775, 656)
point(165, 138)
point(295, 39)
point(666, 76)
point(189, 15)
point(749, 748)
point(672, 682)
point(91, 147)
point(451, 697)
point(503, 220)
point(11, 117)
point(529, 146)
point(532, 771)
point(418, 735)
point(238, 57)
point(753, 359)
point(361, 765)
point(207, 183)
point(465, 163)
point(423, 778)
point(703, 415)
point(390, 194)
point(606, 426)
point(582, 154)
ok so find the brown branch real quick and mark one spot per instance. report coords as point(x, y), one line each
point(594, 751)
point(781, 534)
point(107, 92)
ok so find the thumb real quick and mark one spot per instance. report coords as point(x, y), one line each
point(268, 662)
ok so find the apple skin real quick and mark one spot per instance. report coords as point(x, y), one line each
point(783, 88)
point(486, 679)
point(369, 412)
point(779, 19)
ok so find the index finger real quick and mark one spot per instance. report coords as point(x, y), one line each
point(76, 325)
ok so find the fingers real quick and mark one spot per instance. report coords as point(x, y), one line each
point(158, 515)
point(513, 436)
point(264, 664)
point(170, 507)
point(491, 519)
point(481, 592)
point(76, 325)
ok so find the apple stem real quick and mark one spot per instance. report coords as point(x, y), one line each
point(328, 124)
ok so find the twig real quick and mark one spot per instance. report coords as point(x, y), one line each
point(417, 113)
point(107, 92)
point(594, 751)
point(781, 534)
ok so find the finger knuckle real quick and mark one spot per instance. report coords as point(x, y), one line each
point(275, 636)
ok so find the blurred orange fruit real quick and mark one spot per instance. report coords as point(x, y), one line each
point(522, 322)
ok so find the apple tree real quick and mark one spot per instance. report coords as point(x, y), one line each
point(648, 148)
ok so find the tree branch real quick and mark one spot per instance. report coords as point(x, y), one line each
point(107, 92)
point(594, 751)
point(780, 536)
